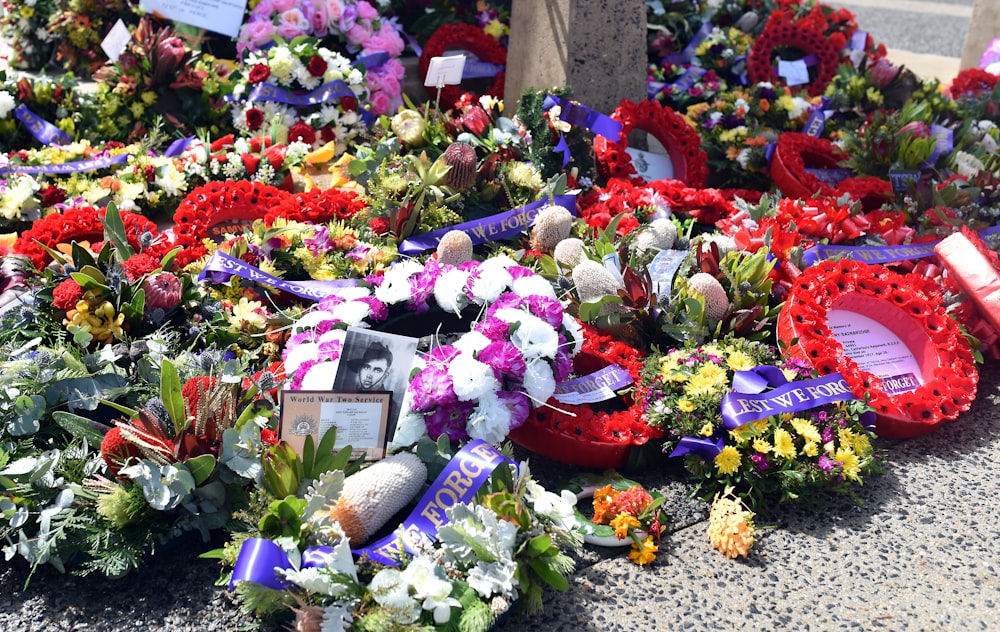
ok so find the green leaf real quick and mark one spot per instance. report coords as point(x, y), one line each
point(114, 231)
point(89, 282)
point(169, 258)
point(309, 455)
point(134, 309)
point(201, 467)
point(81, 427)
point(170, 393)
point(539, 544)
point(132, 414)
point(549, 575)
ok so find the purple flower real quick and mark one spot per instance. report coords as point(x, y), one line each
point(547, 309)
point(319, 242)
point(432, 388)
point(422, 288)
point(562, 365)
point(504, 358)
point(348, 18)
point(379, 311)
point(493, 328)
point(358, 253)
point(518, 272)
point(449, 420)
point(826, 463)
point(441, 355)
point(760, 461)
point(505, 300)
point(518, 404)
point(827, 434)
point(330, 349)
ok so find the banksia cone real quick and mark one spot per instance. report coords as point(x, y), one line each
point(569, 252)
point(455, 248)
point(716, 301)
point(660, 235)
point(461, 157)
point(374, 495)
point(552, 225)
point(593, 280)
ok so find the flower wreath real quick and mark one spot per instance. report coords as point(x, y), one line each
point(481, 385)
point(674, 132)
point(613, 495)
point(795, 150)
point(779, 32)
point(85, 224)
point(915, 316)
point(316, 206)
point(465, 37)
point(216, 202)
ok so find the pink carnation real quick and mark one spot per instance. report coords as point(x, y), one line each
point(366, 11)
point(282, 5)
point(381, 103)
point(385, 40)
point(357, 34)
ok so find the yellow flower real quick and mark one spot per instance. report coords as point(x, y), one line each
point(783, 444)
point(810, 449)
point(739, 361)
point(790, 374)
point(862, 445)
point(27, 12)
point(761, 446)
point(848, 463)
point(137, 109)
point(707, 430)
point(699, 385)
point(728, 460)
point(148, 97)
point(645, 554)
point(730, 526)
point(685, 405)
point(806, 430)
point(248, 316)
point(622, 522)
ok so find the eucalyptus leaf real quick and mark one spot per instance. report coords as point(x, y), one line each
point(201, 467)
point(170, 393)
point(81, 427)
point(28, 413)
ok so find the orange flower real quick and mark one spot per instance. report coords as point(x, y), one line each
point(603, 499)
point(622, 523)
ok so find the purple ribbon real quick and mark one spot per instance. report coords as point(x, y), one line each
point(221, 267)
point(458, 483)
point(372, 61)
point(259, 558)
point(878, 254)
point(479, 69)
point(499, 226)
point(271, 92)
point(686, 80)
point(900, 178)
point(653, 88)
point(944, 142)
point(66, 167)
point(582, 116)
point(686, 55)
point(858, 40)
point(177, 147)
point(706, 448)
point(817, 119)
point(741, 408)
point(44, 132)
point(833, 177)
point(599, 386)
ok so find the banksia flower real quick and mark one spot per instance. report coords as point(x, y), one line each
point(455, 248)
point(552, 225)
point(569, 252)
point(374, 495)
point(593, 280)
point(716, 300)
point(461, 157)
point(660, 235)
point(730, 526)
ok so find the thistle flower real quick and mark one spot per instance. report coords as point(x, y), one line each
point(461, 157)
point(552, 225)
point(455, 248)
point(716, 300)
point(730, 526)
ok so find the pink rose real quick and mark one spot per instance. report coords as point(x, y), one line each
point(335, 9)
point(320, 19)
point(357, 34)
point(256, 34)
point(292, 24)
point(381, 103)
point(280, 6)
point(264, 9)
point(384, 40)
point(366, 11)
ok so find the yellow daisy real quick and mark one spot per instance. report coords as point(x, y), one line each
point(740, 361)
point(728, 460)
point(849, 464)
point(806, 430)
point(685, 405)
point(783, 444)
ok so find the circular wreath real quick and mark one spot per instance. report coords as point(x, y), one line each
point(914, 314)
point(479, 386)
point(795, 151)
point(85, 224)
point(779, 33)
point(466, 37)
point(674, 132)
point(216, 202)
point(316, 206)
point(600, 533)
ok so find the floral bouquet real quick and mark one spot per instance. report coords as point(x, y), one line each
point(300, 91)
point(55, 100)
point(351, 26)
point(79, 26)
point(24, 27)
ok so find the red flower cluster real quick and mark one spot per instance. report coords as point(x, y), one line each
point(317, 206)
point(779, 32)
point(67, 294)
point(916, 316)
point(469, 37)
point(682, 142)
point(83, 224)
point(972, 82)
point(138, 265)
point(216, 202)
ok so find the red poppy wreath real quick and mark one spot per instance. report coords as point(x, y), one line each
point(780, 33)
point(467, 37)
point(889, 336)
point(682, 142)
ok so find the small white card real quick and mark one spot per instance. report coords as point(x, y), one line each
point(795, 72)
point(445, 71)
point(219, 16)
point(116, 40)
point(651, 166)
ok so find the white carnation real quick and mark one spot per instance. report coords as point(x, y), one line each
point(533, 336)
point(449, 290)
point(533, 285)
point(489, 420)
point(539, 381)
point(6, 103)
point(471, 343)
point(471, 378)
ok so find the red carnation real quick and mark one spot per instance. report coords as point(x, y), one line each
point(163, 291)
point(255, 118)
point(379, 225)
point(316, 66)
point(259, 73)
point(138, 265)
point(302, 131)
point(67, 294)
point(250, 162)
point(349, 103)
point(52, 195)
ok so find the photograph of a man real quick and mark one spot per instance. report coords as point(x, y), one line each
point(371, 369)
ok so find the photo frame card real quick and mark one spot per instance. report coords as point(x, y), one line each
point(361, 420)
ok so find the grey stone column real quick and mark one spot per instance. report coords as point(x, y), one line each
point(983, 28)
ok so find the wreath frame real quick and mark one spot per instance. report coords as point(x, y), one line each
point(793, 35)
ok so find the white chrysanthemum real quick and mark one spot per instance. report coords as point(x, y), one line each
point(283, 65)
point(352, 312)
point(534, 337)
point(471, 342)
point(799, 107)
point(539, 381)
point(7, 103)
point(395, 286)
point(171, 181)
point(449, 290)
point(575, 329)
point(533, 285)
point(489, 420)
point(471, 378)
point(492, 278)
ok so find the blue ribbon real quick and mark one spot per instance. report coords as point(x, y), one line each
point(686, 55)
point(221, 267)
point(458, 483)
point(271, 92)
point(372, 61)
point(44, 132)
point(739, 408)
point(260, 558)
point(499, 226)
point(878, 254)
point(67, 167)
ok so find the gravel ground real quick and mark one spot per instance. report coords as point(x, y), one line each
point(918, 554)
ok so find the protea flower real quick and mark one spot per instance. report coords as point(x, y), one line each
point(163, 291)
